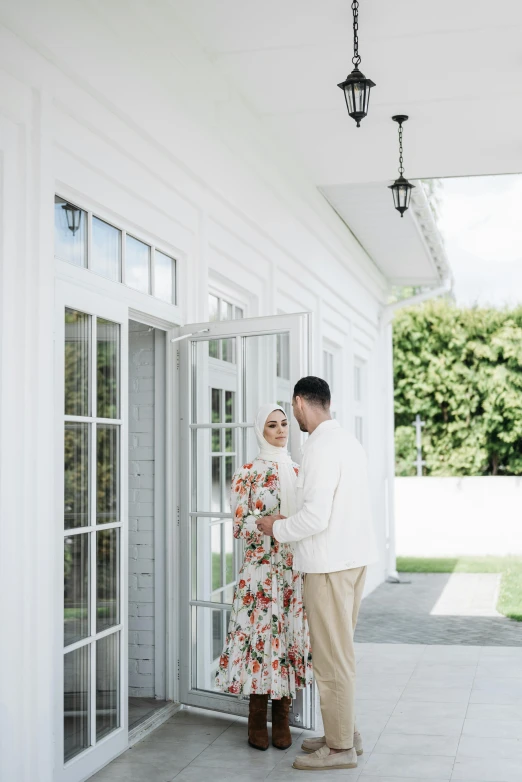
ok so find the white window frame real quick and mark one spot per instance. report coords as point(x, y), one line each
point(114, 743)
point(334, 353)
point(360, 400)
point(151, 242)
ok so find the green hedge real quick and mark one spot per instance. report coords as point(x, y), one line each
point(461, 370)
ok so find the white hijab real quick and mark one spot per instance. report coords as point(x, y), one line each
point(273, 453)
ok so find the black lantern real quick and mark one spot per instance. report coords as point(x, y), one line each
point(356, 86)
point(401, 188)
point(73, 215)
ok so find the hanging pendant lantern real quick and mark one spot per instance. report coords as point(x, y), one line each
point(73, 215)
point(401, 188)
point(356, 86)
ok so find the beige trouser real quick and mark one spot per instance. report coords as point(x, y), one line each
point(332, 602)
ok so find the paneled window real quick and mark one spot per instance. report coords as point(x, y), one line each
point(85, 240)
point(330, 374)
point(92, 608)
point(220, 308)
point(359, 400)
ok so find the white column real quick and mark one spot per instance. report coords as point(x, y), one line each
point(30, 525)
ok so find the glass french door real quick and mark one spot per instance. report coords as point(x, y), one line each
point(227, 370)
point(91, 364)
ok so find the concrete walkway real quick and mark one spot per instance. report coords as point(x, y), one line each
point(438, 608)
point(431, 704)
point(436, 713)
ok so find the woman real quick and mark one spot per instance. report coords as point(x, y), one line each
point(267, 650)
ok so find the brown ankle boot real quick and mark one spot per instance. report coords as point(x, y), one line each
point(281, 736)
point(257, 729)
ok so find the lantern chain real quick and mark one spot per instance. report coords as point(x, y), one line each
point(401, 166)
point(356, 60)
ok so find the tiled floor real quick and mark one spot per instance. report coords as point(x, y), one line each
point(436, 713)
point(141, 708)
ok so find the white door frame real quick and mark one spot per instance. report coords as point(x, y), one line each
point(298, 326)
point(84, 291)
point(102, 752)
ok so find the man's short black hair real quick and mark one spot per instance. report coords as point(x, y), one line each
point(315, 390)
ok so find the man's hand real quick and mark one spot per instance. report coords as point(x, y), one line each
point(265, 524)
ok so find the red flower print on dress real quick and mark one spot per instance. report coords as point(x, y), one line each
point(267, 649)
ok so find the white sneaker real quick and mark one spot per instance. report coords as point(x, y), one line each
point(316, 742)
point(321, 760)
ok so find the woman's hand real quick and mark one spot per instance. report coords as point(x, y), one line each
point(265, 524)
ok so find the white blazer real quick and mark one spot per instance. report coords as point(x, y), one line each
point(332, 528)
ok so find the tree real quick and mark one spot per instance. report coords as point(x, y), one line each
point(461, 370)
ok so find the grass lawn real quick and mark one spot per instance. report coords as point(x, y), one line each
point(510, 597)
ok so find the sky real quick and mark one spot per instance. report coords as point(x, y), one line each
point(481, 222)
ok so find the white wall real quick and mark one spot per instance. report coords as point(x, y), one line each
point(141, 511)
point(115, 106)
point(446, 517)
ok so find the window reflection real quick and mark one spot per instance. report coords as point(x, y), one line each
point(76, 475)
point(164, 277)
point(137, 265)
point(106, 250)
point(107, 486)
point(77, 362)
point(107, 579)
point(76, 680)
point(76, 588)
point(108, 368)
point(107, 685)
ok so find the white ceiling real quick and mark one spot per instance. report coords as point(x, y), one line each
point(454, 66)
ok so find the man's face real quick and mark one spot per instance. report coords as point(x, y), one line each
point(297, 407)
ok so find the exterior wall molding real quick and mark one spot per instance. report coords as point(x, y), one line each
point(429, 231)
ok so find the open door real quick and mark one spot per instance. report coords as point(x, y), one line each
point(227, 370)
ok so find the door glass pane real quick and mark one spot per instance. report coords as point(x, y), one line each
point(76, 588)
point(164, 277)
point(229, 350)
point(283, 356)
point(230, 407)
point(218, 635)
point(261, 380)
point(107, 685)
point(137, 264)
point(216, 484)
point(216, 559)
point(107, 474)
point(76, 699)
point(216, 419)
point(106, 250)
point(70, 232)
point(228, 536)
point(230, 466)
point(107, 579)
point(108, 368)
point(211, 626)
point(77, 362)
point(226, 310)
point(217, 566)
point(213, 308)
point(76, 478)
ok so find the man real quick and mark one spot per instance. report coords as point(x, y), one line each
point(333, 533)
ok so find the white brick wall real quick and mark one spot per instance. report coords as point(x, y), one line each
point(141, 511)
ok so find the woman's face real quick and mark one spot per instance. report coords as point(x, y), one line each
point(276, 429)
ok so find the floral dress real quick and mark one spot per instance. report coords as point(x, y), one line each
point(267, 650)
